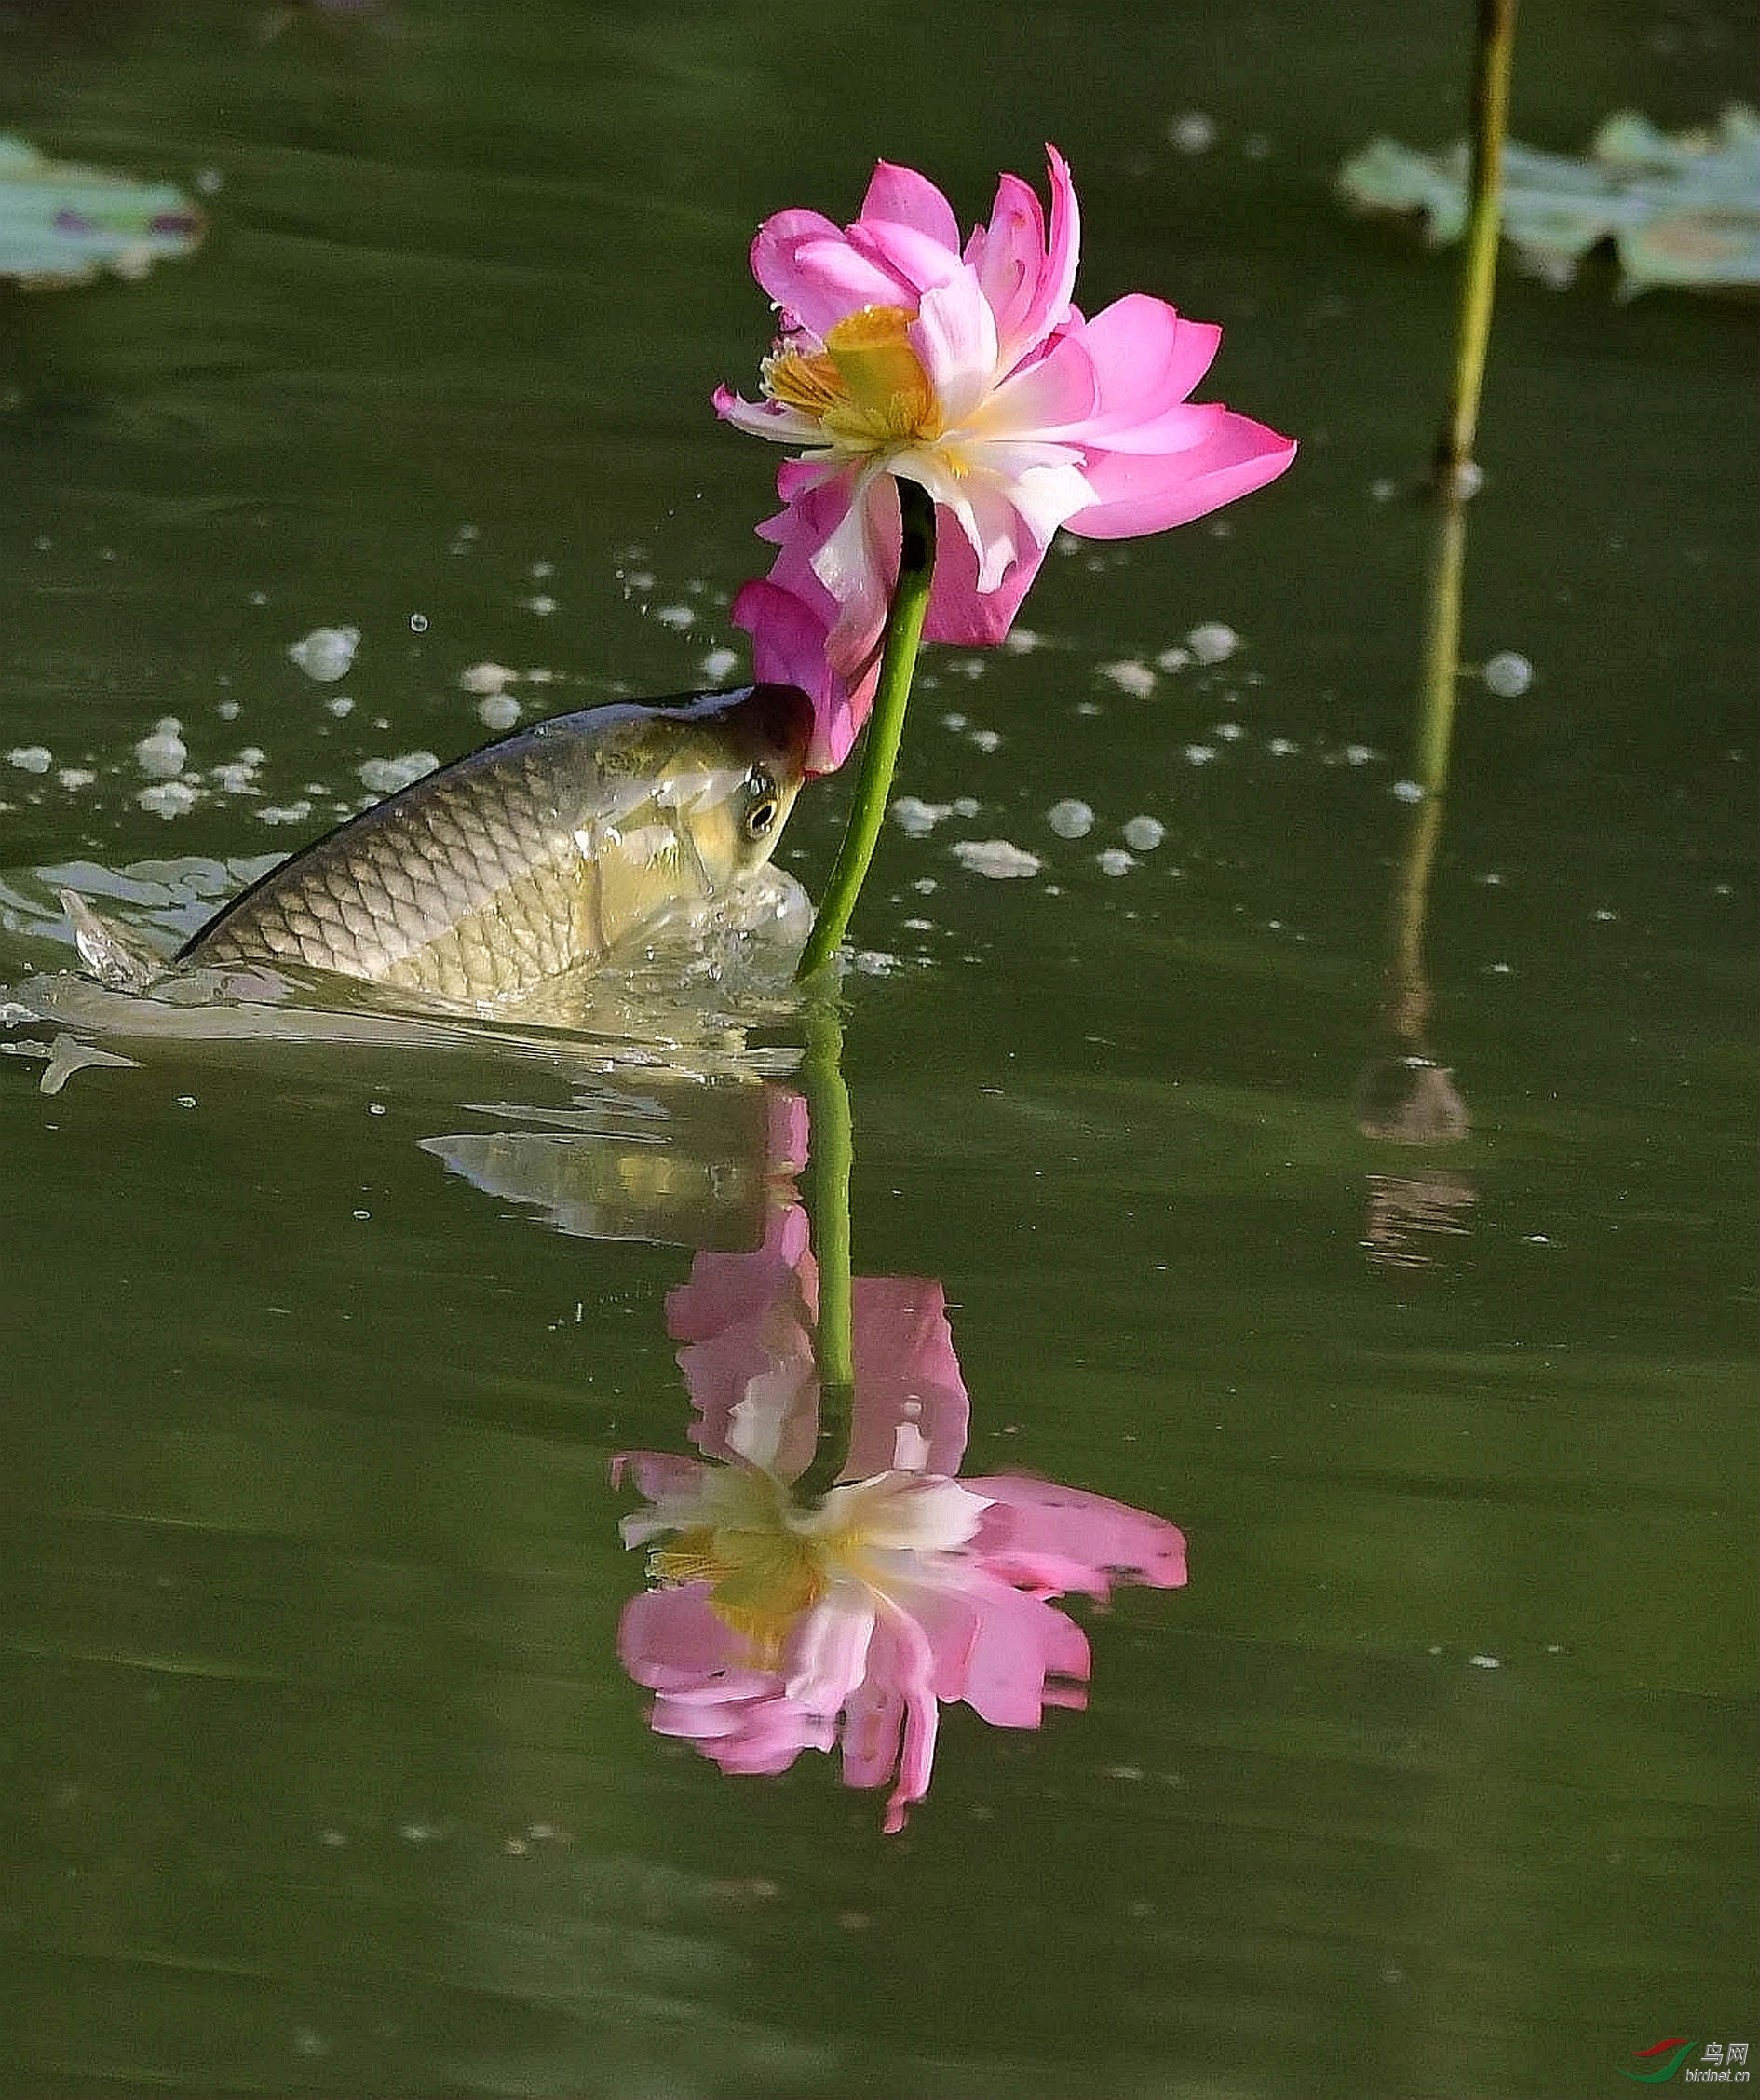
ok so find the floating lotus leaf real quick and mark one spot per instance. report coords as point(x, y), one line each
point(63, 225)
point(1680, 208)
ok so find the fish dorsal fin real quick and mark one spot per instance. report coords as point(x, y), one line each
point(115, 955)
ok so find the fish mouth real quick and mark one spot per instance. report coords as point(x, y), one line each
point(784, 714)
point(778, 716)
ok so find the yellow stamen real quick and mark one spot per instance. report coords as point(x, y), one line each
point(867, 387)
point(760, 1580)
point(802, 380)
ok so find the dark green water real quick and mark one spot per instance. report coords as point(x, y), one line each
point(320, 1773)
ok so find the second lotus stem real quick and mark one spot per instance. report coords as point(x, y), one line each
point(1493, 51)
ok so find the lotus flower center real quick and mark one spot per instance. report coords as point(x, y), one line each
point(867, 387)
point(761, 1577)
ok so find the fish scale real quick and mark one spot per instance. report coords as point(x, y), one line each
point(535, 855)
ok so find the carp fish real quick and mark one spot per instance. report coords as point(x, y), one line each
point(538, 856)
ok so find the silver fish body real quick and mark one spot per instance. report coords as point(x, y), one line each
point(537, 856)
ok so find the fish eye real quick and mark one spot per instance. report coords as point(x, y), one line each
point(763, 806)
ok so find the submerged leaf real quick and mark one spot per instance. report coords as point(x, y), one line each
point(1680, 208)
point(63, 225)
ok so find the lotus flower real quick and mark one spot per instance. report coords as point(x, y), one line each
point(969, 371)
point(778, 1625)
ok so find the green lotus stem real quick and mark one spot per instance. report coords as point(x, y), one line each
point(1494, 49)
point(1441, 646)
point(886, 726)
point(1408, 991)
point(833, 1150)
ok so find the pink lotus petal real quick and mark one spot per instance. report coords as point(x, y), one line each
point(873, 1727)
point(670, 1637)
point(954, 338)
point(959, 612)
point(828, 1653)
point(657, 1474)
point(906, 198)
point(1056, 395)
point(1022, 1640)
point(788, 647)
point(915, 262)
point(1033, 1516)
point(1146, 360)
point(1057, 282)
point(788, 1123)
point(723, 1290)
point(910, 1411)
point(774, 420)
point(909, 1671)
point(1008, 255)
point(1140, 492)
point(1027, 283)
point(807, 266)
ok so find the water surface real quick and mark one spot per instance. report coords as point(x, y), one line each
point(322, 1774)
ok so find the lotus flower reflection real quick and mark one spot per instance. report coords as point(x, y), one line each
point(967, 371)
point(778, 1625)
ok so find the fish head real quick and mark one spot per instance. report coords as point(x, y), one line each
point(726, 769)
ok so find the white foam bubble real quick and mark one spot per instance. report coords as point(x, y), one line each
point(1130, 676)
point(911, 814)
point(487, 678)
point(1212, 641)
point(995, 857)
point(1070, 817)
point(169, 798)
point(1508, 674)
point(1143, 835)
point(385, 775)
point(326, 653)
point(164, 754)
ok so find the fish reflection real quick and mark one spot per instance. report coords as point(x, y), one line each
point(675, 1161)
point(779, 1621)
